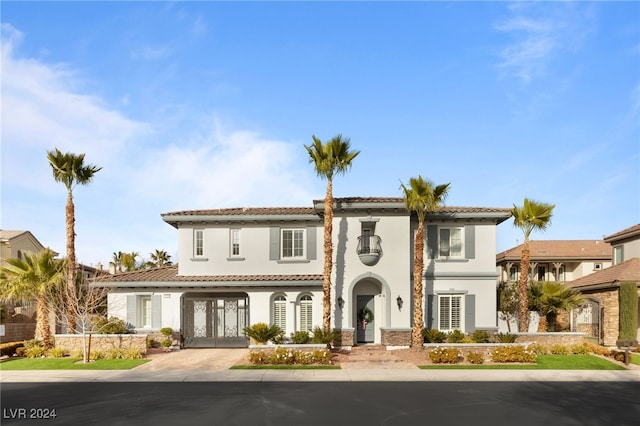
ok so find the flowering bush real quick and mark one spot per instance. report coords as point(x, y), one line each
point(475, 358)
point(445, 355)
point(513, 354)
point(288, 356)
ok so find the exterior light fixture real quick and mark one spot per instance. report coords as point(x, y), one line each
point(400, 302)
point(340, 302)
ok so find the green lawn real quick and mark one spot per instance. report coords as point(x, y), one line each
point(285, 367)
point(544, 362)
point(69, 364)
point(635, 359)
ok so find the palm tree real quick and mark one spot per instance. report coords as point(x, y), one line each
point(117, 261)
point(531, 216)
point(421, 197)
point(129, 261)
point(549, 298)
point(33, 277)
point(70, 170)
point(160, 258)
point(330, 158)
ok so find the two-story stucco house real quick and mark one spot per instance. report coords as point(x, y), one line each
point(240, 266)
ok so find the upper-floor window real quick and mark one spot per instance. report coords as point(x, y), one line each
point(450, 242)
point(617, 255)
point(235, 242)
point(198, 242)
point(292, 243)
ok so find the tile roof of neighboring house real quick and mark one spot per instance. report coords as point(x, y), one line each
point(559, 249)
point(626, 271)
point(633, 231)
point(169, 274)
point(9, 234)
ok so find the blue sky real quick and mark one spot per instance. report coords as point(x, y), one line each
point(208, 104)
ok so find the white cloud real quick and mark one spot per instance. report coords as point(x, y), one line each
point(539, 33)
point(150, 53)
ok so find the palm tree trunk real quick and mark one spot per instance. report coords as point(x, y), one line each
point(418, 319)
point(328, 256)
point(71, 260)
point(43, 332)
point(523, 303)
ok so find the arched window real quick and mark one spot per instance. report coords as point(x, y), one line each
point(306, 313)
point(280, 312)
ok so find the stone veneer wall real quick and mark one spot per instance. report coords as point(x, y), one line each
point(18, 331)
point(608, 299)
point(395, 336)
point(550, 339)
point(346, 337)
point(103, 342)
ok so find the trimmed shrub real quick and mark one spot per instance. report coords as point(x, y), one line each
point(58, 352)
point(538, 349)
point(166, 331)
point(10, 348)
point(112, 325)
point(300, 337)
point(433, 336)
point(35, 352)
point(579, 349)
point(326, 337)
point(261, 333)
point(456, 336)
point(151, 343)
point(475, 358)
point(559, 349)
point(133, 354)
point(506, 337)
point(445, 355)
point(513, 354)
point(480, 336)
point(597, 349)
point(628, 300)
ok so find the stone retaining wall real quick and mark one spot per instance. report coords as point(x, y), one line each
point(395, 336)
point(346, 337)
point(103, 342)
point(550, 339)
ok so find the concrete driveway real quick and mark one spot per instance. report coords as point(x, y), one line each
point(194, 359)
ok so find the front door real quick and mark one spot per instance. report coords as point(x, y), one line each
point(215, 321)
point(365, 319)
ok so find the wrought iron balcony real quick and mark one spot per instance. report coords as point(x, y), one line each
point(369, 249)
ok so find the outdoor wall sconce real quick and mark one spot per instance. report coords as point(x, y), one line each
point(400, 302)
point(340, 302)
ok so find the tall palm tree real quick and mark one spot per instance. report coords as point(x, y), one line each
point(531, 216)
point(33, 277)
point(129, 261)
point(330, 158)
point(117, 260)
point(550, 298)
point(70, 170)
point(160, 258)
point(421, 197)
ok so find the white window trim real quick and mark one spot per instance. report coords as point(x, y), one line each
point(197, 232)
point(142, 312)
point(283, 302)
point(232, 256)
point(303, 256)
point(310, 319)
point(450, 228)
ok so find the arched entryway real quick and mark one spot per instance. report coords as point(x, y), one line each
point(369, 308)
point(213, 320)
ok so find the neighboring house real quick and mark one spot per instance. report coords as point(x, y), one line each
point(556, 260)
point(601, 288)
point(18, 318)
point(240, 266)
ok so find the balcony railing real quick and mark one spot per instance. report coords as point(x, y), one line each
point(369, 249)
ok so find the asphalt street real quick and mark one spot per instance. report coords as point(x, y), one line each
point(323, 403)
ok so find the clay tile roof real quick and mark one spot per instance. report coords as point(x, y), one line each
point(244, 211)
point(628, 270)
point(169, 274)
point(632, 231)
point(559, 249)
